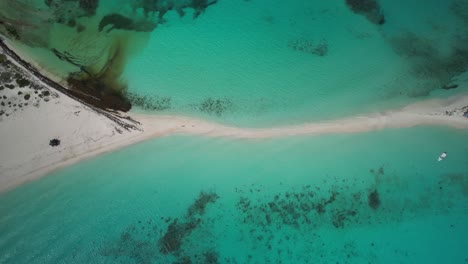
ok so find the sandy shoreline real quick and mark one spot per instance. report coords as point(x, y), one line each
point(89, 134)
point(85, 132)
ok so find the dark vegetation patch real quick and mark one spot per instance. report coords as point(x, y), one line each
point(149, 102)
point(294, 208)
point(176, 232)
point(98, 88)
point(96, 85)
point(22, 82)
point(89, 6)
point(95, 104)
point(12, 32)
point(3, 58)
point(429, 63)
point(151, 7)
point(5, 76)
point(410, 45)
point(146, 242)
point(449, 86)
point(183, 260)
point(68, 11)
point(368, 8)
point(211, 257)
point(316, 48)
point(273, 222)
point(16, 87)
point(215, 106)
point(92, 87)
point(136, 243)
point(379, 172)
point(54, 142)
point(199, 205)
point(339, 217)
point(373, 199)
point(460, 9)
point(117, 21)
point(459, 180)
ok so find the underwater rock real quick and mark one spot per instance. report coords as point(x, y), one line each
point(369, 8)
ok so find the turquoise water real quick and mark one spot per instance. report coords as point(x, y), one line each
point(241, 52)
point(264, 63)
point(377, 197)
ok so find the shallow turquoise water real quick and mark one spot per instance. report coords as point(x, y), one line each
point(241, 52)
point(254, 63)
point(377, 197)
point(295, 200)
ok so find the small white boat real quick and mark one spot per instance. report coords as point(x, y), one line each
point(442, 156)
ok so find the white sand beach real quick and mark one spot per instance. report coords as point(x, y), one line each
point(84, 132)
